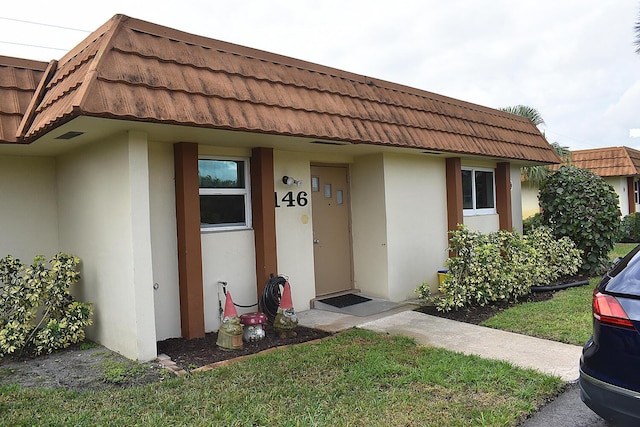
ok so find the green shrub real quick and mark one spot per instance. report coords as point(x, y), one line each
point(501, 266)
point(630, 229)
point(532, 222)
point(37, 312)
point(580, 205)
point(554, 258)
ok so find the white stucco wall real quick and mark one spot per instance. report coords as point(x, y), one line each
point(369, 225)
point(619, 184)
point(105, 220)
point(28, 207)
point(415, 194)
point(163, 241)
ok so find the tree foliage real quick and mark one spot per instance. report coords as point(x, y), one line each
point(578, 204)
point(525, 111)
point(636, 29)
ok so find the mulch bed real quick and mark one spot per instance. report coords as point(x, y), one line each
point(476, 315)
point(198, 352)
point(195, 353)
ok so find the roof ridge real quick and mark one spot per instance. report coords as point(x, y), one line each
point(107, 35)
point(30, 113)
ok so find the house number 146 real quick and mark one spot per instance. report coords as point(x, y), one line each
point(290, 200)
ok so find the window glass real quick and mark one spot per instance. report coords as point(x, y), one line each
point(467, 189)
point(484, 190)
point(222, 209)
point(224, 193)
point(478, 191)
point(221, 173)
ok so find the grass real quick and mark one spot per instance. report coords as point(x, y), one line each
point(621, 249)
point(357, 378)
point(116, 372)
point(565, 318)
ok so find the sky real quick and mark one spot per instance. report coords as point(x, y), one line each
point(572, 60)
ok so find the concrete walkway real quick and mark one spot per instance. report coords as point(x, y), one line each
point(528, 352)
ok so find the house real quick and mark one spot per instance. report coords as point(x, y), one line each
point(619, 166)
point(170, 163)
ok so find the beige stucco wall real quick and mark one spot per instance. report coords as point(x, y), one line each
point(399, 223)
point(294, 227)
point(28, 207)
point(516, 203)
point(227, 256)
point(164, 245)
point(369, 225)
point(104, 219)
point(530, 205)
point(415, 194)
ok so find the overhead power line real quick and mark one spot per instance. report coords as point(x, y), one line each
point(33, 45)
point(43, 24)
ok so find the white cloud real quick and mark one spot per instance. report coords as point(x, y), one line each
point(572, 60)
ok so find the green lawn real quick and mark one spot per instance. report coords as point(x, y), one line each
point(357, 378)
point(621, 249)
point(565, 318)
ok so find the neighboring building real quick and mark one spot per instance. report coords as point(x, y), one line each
point(161, 159)
point(619, 166)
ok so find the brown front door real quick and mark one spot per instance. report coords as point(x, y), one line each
point(331, 229)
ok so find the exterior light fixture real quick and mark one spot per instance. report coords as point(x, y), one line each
point(289, 180)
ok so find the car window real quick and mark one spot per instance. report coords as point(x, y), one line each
point(625, 275)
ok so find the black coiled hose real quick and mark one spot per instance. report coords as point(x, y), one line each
point(270, 299)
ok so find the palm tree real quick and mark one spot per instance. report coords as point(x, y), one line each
point(636, 29)
point(525, 111)
point(537, 174)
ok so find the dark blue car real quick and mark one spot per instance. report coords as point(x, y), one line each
point(610, 362)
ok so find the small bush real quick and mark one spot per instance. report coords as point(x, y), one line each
point(501, 266)
point(578, 204)
point(532, 222)
point(630, 228)
point(37, 312)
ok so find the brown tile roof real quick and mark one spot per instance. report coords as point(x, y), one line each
point(134, 70)
point(609, 161)
point(18, 81)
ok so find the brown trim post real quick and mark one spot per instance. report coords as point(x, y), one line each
point(454, 193)
point(264, 215)
point(503, 196)
point(631, 193)
point(189, 245)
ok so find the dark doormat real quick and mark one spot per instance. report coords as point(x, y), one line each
point(346, 300)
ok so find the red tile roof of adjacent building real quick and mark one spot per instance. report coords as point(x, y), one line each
point(134, 70)
point(18, 82)
point(608, 161)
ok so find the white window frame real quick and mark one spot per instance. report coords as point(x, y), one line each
point(483, 211)
point(636, 191)
point(246, 192)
